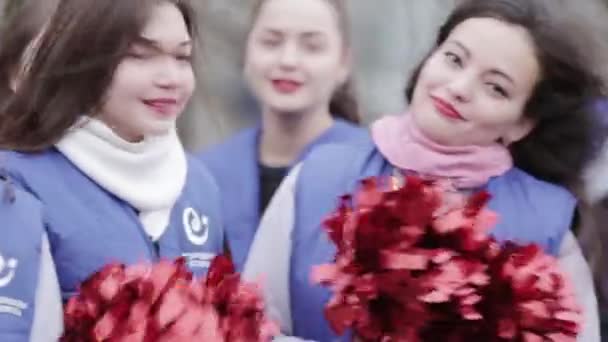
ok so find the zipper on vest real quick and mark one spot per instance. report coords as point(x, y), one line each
point(156, 246)
point(153, 246)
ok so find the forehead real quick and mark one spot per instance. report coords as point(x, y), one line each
point(297, 16)
point(165, 25)
point(496, 44)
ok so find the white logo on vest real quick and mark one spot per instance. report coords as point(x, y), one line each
point(7, 273)
point(196, 227)
point(199, 260)
point(7, 270)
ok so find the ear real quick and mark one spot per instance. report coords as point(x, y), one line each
point(519, 130)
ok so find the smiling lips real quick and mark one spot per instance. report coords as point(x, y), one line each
point(163, 106)
point(286, 86)
point(446, 109)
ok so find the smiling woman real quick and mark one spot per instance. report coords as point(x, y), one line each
point(154, 81)
point(298, 64)
point(500, 103)
point(89, 139)
point(68, 79)
point(480, 82)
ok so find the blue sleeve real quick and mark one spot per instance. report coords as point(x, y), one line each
point(22, 229)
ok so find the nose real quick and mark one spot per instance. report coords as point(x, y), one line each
point(168, 73)
point(288, 57)
point(460, 88)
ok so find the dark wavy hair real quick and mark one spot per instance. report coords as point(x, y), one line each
point(557, 148)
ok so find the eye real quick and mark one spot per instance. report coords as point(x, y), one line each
point(184, 58)
point(497, 90)
point(270, 42)
point(140, 53)
point(313, 43)
point(313, 47)
point(453, 59)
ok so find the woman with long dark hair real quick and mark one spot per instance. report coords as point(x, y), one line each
point(93, 169)
point(501, 103)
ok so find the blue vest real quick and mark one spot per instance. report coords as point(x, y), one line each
point(530, 211)
point(234, 164)
point(89, 227)
point(22, 228)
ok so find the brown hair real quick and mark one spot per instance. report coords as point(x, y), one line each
point(21, 24)
point(72, 66)
point(558, 147)
point(343, 103)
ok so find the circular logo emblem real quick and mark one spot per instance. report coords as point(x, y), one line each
point(196, 227)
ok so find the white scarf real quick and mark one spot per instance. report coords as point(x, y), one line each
point(149, 175)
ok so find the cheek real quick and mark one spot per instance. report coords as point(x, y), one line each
point(254, 71)
point(433, 74)
point(251, 68)
point(256, 61)
point(189, 80)
point(129, 80)
point(427, 81)
point(124, 94)
point(118, 94)
point(327, 70)
point(125, 90)
point(116, 105)
point(499, 113)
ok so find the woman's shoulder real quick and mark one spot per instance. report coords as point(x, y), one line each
point(518, 180)
point(199, 174)
point(533, 206)
point(341, 150)
point(22, 167)
point(230, 148)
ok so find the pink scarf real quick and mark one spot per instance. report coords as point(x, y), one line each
point(406, 147)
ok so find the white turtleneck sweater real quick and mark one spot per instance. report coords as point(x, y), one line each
point(149, 175)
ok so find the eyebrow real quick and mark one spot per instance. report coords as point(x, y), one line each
point(271, 31)
point(467, 52)
point(313, 34)
point(278, 32)
point(494, 71)
point(154, 44)
point(502, 74)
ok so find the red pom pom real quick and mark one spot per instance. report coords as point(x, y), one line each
point(416, 264)
point(529, 297)
point(162, 302)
